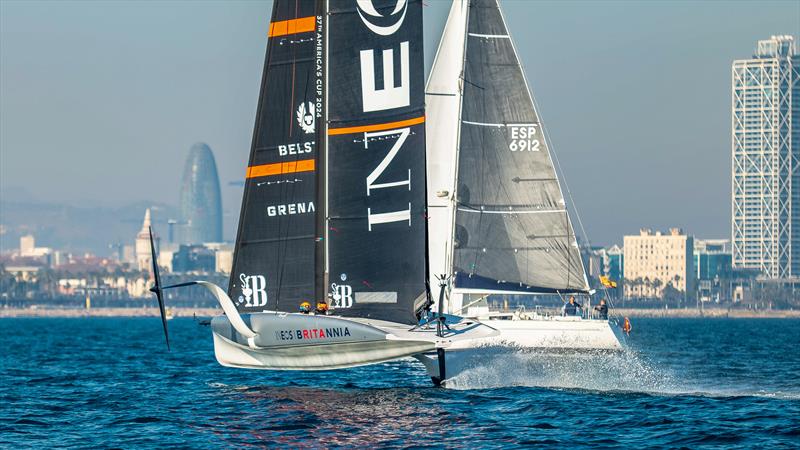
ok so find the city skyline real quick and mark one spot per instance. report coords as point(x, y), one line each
point(137, 102)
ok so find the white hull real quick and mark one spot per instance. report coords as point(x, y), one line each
point(558, 333)
point(313, 357)
point(548, 336)
point(309, 342)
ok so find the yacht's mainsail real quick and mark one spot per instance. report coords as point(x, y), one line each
point(376, 159)
point(334, 201)
point(492, 184)
point(274, 264)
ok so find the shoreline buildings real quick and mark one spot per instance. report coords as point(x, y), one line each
point(765, 203)
point(655, 262)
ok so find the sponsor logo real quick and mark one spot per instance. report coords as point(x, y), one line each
point(390, 96)
point(290, 209)
point(305, 117)
point(368, 14)
point(523, 138)
point(312, 333)
point(342, 296)
point(402, 215)
point(295, 149)
point(254, 290)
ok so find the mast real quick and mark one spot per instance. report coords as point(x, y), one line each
point(321, 225)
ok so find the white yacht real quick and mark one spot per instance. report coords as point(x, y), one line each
point(498, 220)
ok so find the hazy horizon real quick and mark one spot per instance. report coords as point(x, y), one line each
point(101, 101)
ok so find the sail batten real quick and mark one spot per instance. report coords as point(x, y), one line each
point(505, 193)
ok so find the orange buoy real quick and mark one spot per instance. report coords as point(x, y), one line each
point(626, 327)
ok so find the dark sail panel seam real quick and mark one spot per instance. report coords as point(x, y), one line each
point(282, 238)
point(376, 127)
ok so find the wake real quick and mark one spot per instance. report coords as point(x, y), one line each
point(600, 372)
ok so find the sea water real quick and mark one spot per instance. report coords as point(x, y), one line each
point(109, 382)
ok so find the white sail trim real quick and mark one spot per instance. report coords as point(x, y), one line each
point(514, 211)
point(498, 125)
point(493, 292)
point(490, 36)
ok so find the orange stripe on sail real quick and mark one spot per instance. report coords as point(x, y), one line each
point(265, 170)
point(292, 26)
point(377, 127)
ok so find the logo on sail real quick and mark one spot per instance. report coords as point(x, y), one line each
point(254, 290)
point(305, 117)
point(366, 7)
point(342, 295)
point(290, 209)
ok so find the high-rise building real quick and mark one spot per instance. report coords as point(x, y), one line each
point(200, 203)
point(765, 220)
point(655, 261)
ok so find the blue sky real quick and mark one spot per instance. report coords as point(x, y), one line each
point(101, 101)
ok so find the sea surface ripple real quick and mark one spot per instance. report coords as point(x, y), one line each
point(109, 382)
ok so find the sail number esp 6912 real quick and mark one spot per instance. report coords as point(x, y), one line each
point(523, 138)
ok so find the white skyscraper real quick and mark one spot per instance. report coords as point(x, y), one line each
point(765, 222)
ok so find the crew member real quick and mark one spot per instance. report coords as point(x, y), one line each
point(322, 308)
point(602, 309)
point(627, 327)
point(572, 308)
point(305, 307)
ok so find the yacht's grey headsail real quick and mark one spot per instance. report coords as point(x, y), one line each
point(492, 184)
point(334, 202)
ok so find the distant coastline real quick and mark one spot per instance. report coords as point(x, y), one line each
point(106, 312)
point(710, 313)
point(210, 312)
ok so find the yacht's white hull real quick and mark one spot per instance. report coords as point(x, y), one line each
point(309, 342)
point(546, 336)
point(556, 333)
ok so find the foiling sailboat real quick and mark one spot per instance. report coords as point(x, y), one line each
point(499, 223)
point(334, 206)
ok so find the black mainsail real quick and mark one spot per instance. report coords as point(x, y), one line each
point(376, 159)
point(497, 190)
point(334, 201)
point(275, 265)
